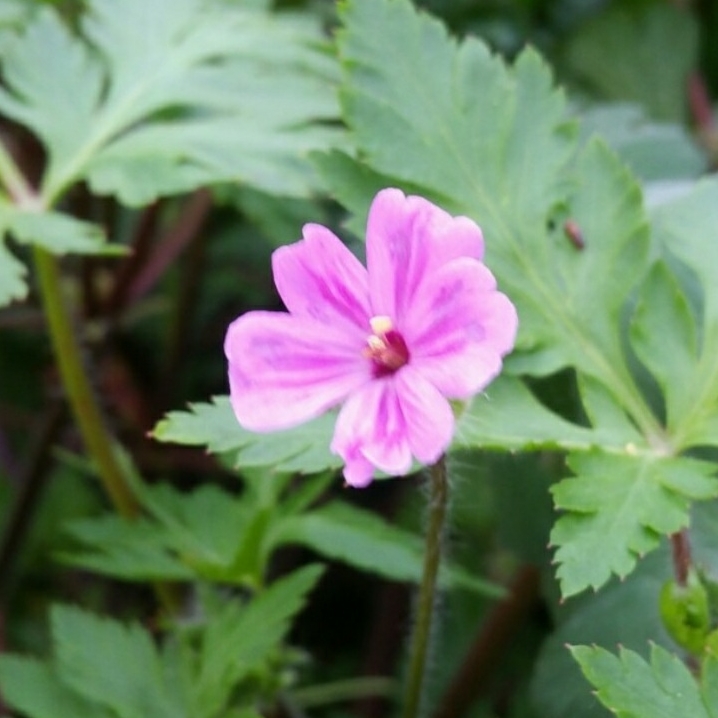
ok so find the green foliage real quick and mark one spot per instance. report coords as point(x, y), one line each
point(201, 96)
point(304, 448)
point(634, 688)
point(496, 143)
point(619, 508)
point(102, 668)
point(177, 542)
point(686, 612)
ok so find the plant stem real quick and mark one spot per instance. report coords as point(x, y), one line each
point(75, 380)
point(681, 550)
point(421, 636)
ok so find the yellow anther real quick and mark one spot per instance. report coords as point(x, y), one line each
point(381, 324)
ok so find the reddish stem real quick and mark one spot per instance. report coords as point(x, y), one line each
point(681, 548)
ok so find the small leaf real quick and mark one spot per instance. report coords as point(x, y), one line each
point(240, 639)
point(617, 507)
point(686, 613)
point(303, 449)
point(59, 233)
point(633, 688)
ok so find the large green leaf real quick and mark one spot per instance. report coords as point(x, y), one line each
point(618, 507)
point(206, 92)
point(493, 142)
point(634, 688)
point(303, 449)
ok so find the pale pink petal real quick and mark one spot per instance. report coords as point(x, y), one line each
point(408, 238)
point(320, 278)
point(358, 471)
point(372, 426)
point(284, 370)
point(428, 415)
point(459, 327)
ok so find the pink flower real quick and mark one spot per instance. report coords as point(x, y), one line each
point(392, 343)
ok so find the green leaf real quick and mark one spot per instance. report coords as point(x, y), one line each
point(621, 55)
point(240, 639)
point(493, 143)
point(686, 229)
point(133, 550)
point(114, 665)
point(618, 507)
point(33, 688)
point(208, 92)
point(663, 318)
point(303, 449)
point(634, 688)
point(362, 539)
point(507, 416)
point(59, 233)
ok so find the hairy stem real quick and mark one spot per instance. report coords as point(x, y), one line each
point(75, 380)
point(421, 636)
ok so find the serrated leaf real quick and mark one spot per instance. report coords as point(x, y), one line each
point(114, 665)
point(362, 539)
point(208, 92)
point(240, 638)
point(620, 54)
point(634, 688)
point(302, 449)
point(493, 142)
point(618, 507)
point(33, 688)
point(59, 233)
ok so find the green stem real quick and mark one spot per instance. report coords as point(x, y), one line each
point(421, 636)
point(75, 380)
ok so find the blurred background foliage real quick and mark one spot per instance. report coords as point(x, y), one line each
point(644, 73)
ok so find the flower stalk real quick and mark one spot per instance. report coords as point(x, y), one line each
point(426, 601)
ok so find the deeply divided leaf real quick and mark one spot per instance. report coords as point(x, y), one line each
point(617, 508)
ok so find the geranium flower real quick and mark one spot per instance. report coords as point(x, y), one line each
point(391, 343)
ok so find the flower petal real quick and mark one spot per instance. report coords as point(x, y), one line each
point(459, 327)
point(428, 415)
point(319, 277)
point(284, 370)
point(371, 428)
point(408, 238)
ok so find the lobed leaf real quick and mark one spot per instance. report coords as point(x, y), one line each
point(633, 688)
point(618, 507)
point(207, 92)
point(302, 449)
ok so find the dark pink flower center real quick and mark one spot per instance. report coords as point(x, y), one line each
point(385, 347)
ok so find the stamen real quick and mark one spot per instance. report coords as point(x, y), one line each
point(381, 324)
point(385, 347)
